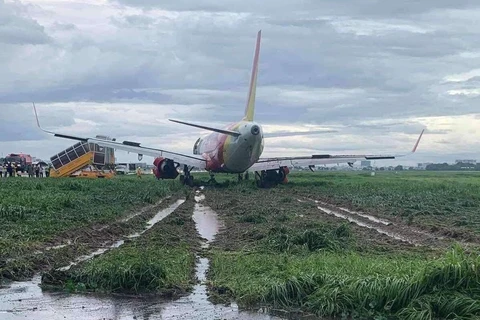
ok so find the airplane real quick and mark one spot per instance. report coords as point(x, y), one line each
point(236, 148)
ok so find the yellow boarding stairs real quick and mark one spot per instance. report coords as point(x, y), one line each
point(83, 160)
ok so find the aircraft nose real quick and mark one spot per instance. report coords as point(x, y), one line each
point(255, 130)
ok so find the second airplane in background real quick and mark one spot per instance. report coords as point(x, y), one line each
point(237, 148)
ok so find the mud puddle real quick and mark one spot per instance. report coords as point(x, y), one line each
point(196, 305)
point(26, 300)
point(143, 210)
point(369, 217)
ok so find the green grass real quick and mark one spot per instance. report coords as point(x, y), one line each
point(277, 251)
point(438, 200)
point(160, 261)
point(397, 194)
point(287, 255)
point(333, 284)
point(135, 269)
point(35, 210)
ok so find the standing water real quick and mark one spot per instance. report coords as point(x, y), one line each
point(26, 300)
point(196, 305)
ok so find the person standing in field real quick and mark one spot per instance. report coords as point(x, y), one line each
point(30, 170)
point(14, 170)
point(37, 171)
point(139, 172)
point(43, 172)
point(2, 168)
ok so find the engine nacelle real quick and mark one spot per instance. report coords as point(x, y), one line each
point(164, 168)
point(282, 174)
point(274, 176)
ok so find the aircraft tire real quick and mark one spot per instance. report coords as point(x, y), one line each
point(189, 181)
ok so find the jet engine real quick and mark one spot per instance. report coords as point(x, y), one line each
point(282, 174)
point(272, 177)
point(164, 168)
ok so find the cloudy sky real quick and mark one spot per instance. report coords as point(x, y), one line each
point(377, 72)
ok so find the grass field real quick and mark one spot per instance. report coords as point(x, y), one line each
point(161, 261)
point(278, 248)
point(438, 201)
point(289, 255)
point(35, 212)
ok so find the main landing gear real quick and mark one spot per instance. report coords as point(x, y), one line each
point(270, 178)
point(186, 178)
point(212, 180)
point(243, 176)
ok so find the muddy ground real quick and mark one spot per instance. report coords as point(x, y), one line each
point(277, 221)
point(68, 245)
point(253, 216)
point(172, 223)
point(249, 220)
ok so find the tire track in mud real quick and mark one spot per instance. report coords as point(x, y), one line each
point(197, 305)
point(70, 245)
point(26, 300)
point(397, 231)
point(157, 218)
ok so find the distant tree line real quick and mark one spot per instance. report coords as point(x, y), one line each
point(453, 167)
point(431, 167)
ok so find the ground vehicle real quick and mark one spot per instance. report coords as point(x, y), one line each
point(83, 156)
point(21, 160)
point(121, 169)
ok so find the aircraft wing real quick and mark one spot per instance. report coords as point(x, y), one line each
point(134, 147)
point(295, 133)
point(275, 163)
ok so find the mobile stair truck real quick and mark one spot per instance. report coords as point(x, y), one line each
point(84, 160)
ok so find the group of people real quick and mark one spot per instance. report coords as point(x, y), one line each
point(10, 170)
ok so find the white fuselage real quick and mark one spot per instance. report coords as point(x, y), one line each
point(232, 154)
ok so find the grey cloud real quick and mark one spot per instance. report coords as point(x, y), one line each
point(134, 20)
point(443, 141)
point(322, 62)
point(18, 29)
point(324, 59)
point(20, 125)
point(64, 26)
point(371, 8)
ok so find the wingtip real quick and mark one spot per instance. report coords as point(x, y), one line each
point(36, 114)
point(418, 141)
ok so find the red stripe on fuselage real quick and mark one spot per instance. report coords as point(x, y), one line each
point(213, 146)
